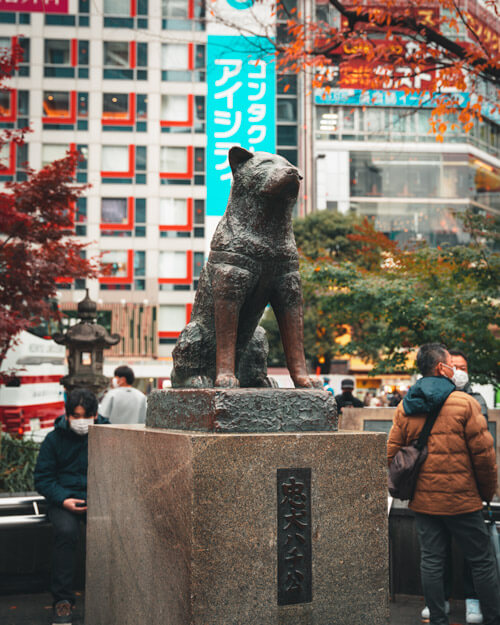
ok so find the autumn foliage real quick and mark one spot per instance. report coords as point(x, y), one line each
point(445, 51)
point(36, 246)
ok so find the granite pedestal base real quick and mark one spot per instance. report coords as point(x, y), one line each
point(182, 527)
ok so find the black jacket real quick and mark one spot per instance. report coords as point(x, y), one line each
point(347, 400)
point(61, 467)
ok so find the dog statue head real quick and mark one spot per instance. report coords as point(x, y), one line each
point(264, 173)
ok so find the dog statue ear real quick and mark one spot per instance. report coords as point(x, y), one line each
point(238, 156)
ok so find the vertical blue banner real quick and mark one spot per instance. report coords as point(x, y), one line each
point(241, 108)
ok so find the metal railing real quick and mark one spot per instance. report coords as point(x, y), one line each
point(27, 510)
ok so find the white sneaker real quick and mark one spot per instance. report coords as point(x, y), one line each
point(473, 611)
point(426, 614)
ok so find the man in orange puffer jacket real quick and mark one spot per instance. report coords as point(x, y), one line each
point(459, 473)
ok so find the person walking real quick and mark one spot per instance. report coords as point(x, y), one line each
point(459, 473)
point(124, 403)
point(61, 477)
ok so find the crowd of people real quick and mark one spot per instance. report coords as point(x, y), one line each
point(458, 475)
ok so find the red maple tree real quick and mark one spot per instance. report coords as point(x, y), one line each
point(446, 52)
point(36, 246)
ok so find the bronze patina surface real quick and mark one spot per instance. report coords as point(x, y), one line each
point(253, 262)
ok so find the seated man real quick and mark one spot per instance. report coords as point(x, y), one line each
point(61, 477)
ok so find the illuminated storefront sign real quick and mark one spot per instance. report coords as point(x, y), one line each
point(383, 97)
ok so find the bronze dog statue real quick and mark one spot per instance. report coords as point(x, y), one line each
point(253, 262)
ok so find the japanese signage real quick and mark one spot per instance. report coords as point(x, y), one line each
point(294, 536)
point(383, 97)
point(241, 108)
point(35, 6)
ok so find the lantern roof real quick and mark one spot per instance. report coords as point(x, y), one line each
point(87, 333)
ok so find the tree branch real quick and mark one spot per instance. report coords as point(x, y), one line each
point(430, 35)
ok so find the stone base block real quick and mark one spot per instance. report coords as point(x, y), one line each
point(243, 410)
point(187, 528)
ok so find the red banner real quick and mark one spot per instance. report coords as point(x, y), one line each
point(35, 6)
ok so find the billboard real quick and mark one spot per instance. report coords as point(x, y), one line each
point(241, 85)
point(35, 6)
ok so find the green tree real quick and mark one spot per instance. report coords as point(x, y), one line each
point(326, 236)
point(448, 295)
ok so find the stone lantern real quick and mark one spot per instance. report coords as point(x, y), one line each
point(86, 341)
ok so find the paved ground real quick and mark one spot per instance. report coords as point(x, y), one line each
point(36, 610)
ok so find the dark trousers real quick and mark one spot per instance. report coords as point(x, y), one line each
point(471, 534)
point(66, 527)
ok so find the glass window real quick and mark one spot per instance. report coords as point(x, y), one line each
point(114, 211)
point(115, 105)
point(117, 7)
point(287, 83)
point(374, 120)
point(139, 263)
point(118, 260)
point(5, 104)
point(173, 160)
point(287, 110)
point(115, 158)
point(56, 103)
point(5, 155)
point(287, 135)
point(171, 318)
point(116, 53)
point(327, 119)
point(176, 9)
point(173, 211)
point(140, 211)
point(52, 152)
point(172, 265)
point(57, 52)
point(174, 108)
point(174, 56)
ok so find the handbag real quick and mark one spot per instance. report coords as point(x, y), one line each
point(405, 466)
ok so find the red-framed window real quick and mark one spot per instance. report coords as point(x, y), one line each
point(66, 58)
point(172, 320)
point(182, 62)
point(123, 164)
point(125, 60)
point(121, 267)
point(125, 13)
point(175, 267)
point(177, 162)
point(11, 43)
point(176, 214)
point(123, 216)
point(177, 110)
point(65, 110)
point(126, 270)
point(14, 108)
point(12, 160)
point(55, 151)
point(124, 111)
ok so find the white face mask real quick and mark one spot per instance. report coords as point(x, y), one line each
point(81, 426)
point(460, 379)
point(114, 383)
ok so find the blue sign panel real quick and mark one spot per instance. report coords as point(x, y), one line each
point(383, 97)
point(240, 110)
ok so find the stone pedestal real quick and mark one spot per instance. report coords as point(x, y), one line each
point(183, 527)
